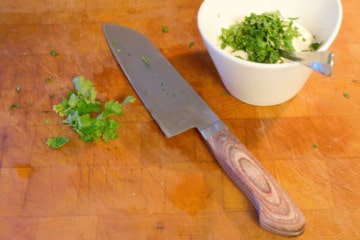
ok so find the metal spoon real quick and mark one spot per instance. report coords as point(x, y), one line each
point(320, 61)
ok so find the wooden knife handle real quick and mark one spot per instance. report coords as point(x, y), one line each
point(277, 212)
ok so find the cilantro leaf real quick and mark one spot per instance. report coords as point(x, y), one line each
point(57, 142)
point(128, 99)
point(84, 107)
point(110, 130)
point(88, 128)
point(111, 107)
point(85, 88)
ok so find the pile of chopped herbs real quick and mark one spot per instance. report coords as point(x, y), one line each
point(85, 114)
point(261, 36)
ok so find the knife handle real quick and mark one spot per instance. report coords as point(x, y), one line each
point(276, 211)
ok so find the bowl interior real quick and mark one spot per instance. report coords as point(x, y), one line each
point(321, 17)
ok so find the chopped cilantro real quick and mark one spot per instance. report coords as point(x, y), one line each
point(129, 99)
point(57, 142)
point(144, 59)
point(165, 29)
point(114, 42)
point(346, 95)
point(14, 105)
point(48, 79)
point(315, 46)
point(83, 112)
point(293, 18)
point(191, 44)
point(53, 53)
point(261, 36)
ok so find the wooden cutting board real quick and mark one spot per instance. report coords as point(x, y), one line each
point(143, 185)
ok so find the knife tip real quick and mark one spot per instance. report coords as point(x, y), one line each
point(105, 25)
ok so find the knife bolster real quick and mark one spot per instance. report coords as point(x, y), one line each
point(208, 131)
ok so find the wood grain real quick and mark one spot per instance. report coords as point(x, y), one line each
point(143, 185)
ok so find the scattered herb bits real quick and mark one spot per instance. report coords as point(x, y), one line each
point(315, 46)
point(165, 29)
point(314, 146)
point(114, 43)
point(57, 142)
point(145, 60)
point(14, 106)
point(53, 53)
point(346, 95)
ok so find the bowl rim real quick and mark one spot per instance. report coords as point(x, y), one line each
point(323, 47)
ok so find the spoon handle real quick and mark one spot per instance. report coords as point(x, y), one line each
point(320, 61)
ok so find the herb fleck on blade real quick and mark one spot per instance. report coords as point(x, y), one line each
point(145, 60)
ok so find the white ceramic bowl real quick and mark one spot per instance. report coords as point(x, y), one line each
point(258, 83)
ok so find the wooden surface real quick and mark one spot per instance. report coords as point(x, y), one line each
point(143, 185)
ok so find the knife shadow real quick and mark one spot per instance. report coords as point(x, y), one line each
point(195, 66)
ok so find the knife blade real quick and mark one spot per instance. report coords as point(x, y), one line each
point(176, 107)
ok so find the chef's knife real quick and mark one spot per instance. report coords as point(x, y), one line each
point(176, 107)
